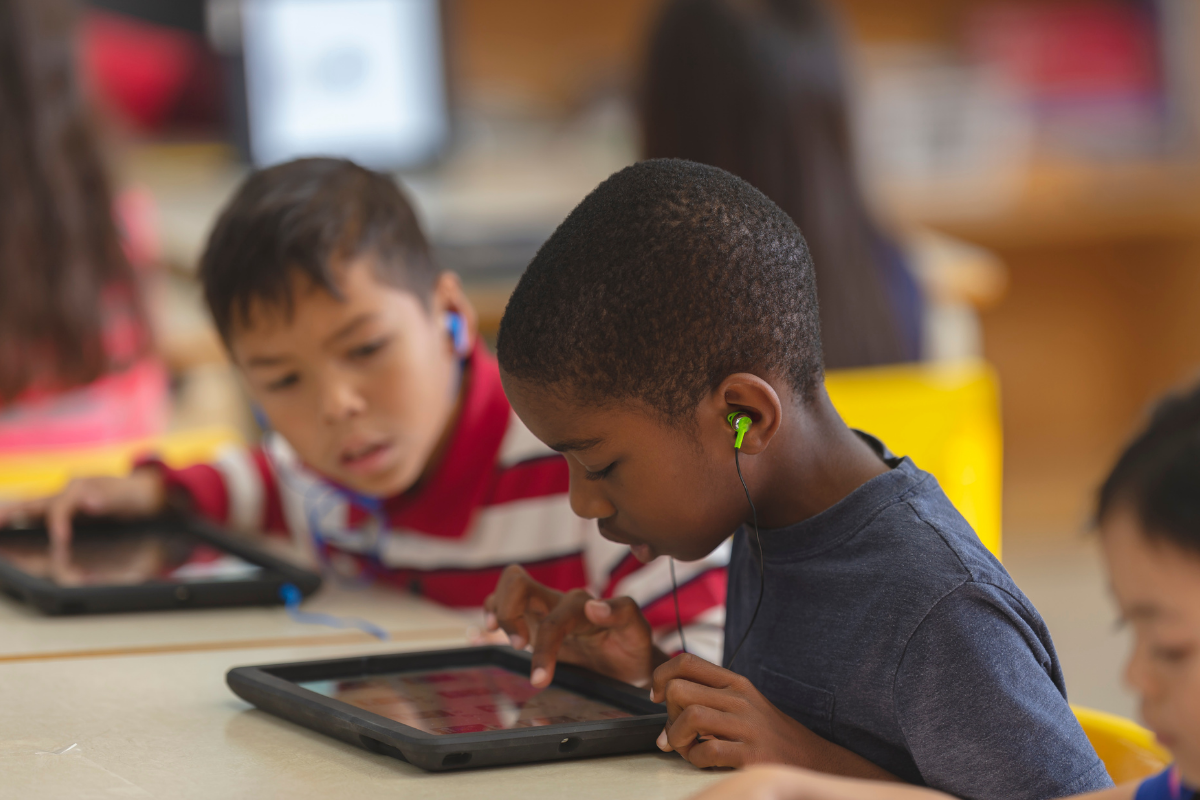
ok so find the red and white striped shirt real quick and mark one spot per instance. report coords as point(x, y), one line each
point(499, 497)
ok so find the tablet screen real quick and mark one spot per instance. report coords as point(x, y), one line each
point(125, 558)
point(464, 700)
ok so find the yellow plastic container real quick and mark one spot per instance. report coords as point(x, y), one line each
point(1129, 751)
point(946, 416)
point(44, 472)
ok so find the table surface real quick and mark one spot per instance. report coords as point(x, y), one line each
point(27, 635)
point(166, 725)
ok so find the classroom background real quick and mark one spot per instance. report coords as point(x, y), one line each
point(1040, 160)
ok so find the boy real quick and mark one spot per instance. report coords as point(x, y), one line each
point(393, 451)
point(888, 641)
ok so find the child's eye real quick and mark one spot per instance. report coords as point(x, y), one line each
point(287, 381)
point(1171, 655)
point(369, 349)
point(599, 474)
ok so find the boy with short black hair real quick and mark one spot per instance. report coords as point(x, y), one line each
point(888, 641)
point(392, 450)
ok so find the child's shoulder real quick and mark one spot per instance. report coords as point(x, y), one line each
point(937, 529)
point(910, 529)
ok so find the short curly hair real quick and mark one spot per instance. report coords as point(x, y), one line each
point(667, 278)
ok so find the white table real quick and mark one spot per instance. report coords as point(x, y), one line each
point(166, 725)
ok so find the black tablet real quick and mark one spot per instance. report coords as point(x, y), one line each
point(167, 562)
point(449, 709)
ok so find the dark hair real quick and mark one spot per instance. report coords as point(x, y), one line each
point(60, 252)
point(309, 217)
point(755, 87)
point(1158, 475)
point(666, 279)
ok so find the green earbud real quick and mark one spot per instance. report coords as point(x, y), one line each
point(740, 423)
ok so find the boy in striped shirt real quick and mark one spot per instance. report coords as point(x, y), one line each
point(391, 451)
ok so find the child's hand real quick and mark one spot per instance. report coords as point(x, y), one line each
point(787, 783)
point(142, 493)
point(608, 636)
point(776, 783)
point(716, 718)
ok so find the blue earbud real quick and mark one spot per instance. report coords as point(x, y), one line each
point(457, 329)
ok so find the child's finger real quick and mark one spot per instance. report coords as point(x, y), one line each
point(698, 721)
point(717, 753)
point(59, 512)
point(551, 631)
point(619, 612)
point(693, 668)
point(490, 623)
point(508, 605)
point(517, 629)
point(681, 694)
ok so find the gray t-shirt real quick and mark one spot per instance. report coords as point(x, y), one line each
point(889, 629)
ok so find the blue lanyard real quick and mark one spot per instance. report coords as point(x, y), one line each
point(313, 507)
point(291, 597)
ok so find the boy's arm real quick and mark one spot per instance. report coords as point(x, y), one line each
point(979, 698)
point(238, 489)
point(140, 494)
point(786, 783)
point(790, 783)
point(717, 718)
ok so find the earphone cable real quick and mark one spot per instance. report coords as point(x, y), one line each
point(678, 618)
point(762, 575)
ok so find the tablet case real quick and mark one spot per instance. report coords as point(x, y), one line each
point(263, 589)
point(273, 689)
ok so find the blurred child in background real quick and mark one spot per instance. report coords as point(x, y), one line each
point(757, 89)
point(391, 449)
point(1149, 521)
point(76, 365)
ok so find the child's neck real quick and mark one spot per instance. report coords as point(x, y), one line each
point(447, 435)
point(813, 462)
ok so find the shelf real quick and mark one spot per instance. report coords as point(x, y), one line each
point(1057, 204)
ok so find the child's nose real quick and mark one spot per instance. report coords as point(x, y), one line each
point(1137, 674)
point(341, 400)
point(587, 500)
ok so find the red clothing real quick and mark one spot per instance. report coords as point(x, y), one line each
point(499, 497)
point(129, 402)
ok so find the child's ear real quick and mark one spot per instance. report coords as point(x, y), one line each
point(754, 397)
point(449, 297)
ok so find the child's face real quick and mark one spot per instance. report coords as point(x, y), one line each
point(661, 490)
point(363, 388)
point(1157, 586)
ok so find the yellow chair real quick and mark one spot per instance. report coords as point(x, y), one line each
point(45, 472)
point(946, 416)
point(1129, 751)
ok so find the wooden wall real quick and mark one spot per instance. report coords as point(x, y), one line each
point(1103, 310)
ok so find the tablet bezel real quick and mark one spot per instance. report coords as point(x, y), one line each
point(275, 688)
point(264, 589)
